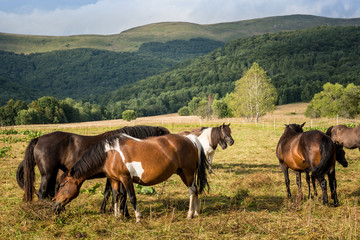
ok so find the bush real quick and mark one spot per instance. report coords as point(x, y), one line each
point(129, 115)
point(184, 111)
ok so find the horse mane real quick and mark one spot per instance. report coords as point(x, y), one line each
point(215, 136)
point(139, 131)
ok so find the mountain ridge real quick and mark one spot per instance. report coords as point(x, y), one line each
point(131, 39)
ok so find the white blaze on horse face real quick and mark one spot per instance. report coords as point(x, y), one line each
point(135, 168)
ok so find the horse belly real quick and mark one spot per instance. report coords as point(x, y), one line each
point(156, 174)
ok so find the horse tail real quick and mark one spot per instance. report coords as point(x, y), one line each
point(326, 151)
point(20, 174)
point(328, 131)
point(29, 173)
point(202, 169)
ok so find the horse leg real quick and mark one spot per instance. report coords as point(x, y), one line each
point(285, 170)
point(115, 200)
point(333, 186)
point(107, 193)
point(322, 182)
point(129, 186)
point(314, 184)
point(47, 183)
point(298, 182)
point(122, 200)
point(308, 182)
point(194, 205)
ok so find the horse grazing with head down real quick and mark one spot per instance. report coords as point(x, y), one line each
point(347, 136)
point(147, 162)
point(310, 151)
point(57, 151)
point(210, 138)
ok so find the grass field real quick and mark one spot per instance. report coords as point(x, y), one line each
point(247, 199)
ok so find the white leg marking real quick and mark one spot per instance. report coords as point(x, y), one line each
point(191, 207)
point(116, 209)
point(137, 214)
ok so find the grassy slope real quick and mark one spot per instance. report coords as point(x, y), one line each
point(132, 39)
point(247, 199)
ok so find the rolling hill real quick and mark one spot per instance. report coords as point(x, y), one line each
point(132, 39)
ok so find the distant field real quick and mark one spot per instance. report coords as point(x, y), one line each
point(247, 199)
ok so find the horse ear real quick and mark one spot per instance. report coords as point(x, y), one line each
point(303, 124)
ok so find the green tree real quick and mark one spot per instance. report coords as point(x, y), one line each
point(129, 115)
point(9, 112)
point(326, 103)
point(184, 111)
point(254, 95)
point(221, 109)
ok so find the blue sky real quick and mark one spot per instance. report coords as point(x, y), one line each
point(72, 17)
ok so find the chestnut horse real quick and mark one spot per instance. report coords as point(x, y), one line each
point(60, 151)
point(211, 137)
point(349, 137)
point(147, 162)
point(310, 151)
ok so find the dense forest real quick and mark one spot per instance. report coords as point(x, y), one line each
point(81, 73)
point(298, 62)
point(163, 77)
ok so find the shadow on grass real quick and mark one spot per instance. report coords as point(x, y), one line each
point(244, 168)
point(355, 193)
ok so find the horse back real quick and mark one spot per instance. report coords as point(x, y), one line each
point(349, 137)
point(61, 149)
point(153, 160)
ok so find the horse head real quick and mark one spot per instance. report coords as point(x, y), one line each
point(69, 189)
point(295, 127)
point(340, 154)
point(226, 138)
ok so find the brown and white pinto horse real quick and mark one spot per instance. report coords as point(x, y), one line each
point(310, 151)
point(147, 162)
point(210, 138)
point(349, 137)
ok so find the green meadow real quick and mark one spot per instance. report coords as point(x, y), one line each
point(247, 197)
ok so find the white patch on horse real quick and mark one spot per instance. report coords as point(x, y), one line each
point(196, 143)
point(135, 168)
point(205, 140)
point(133, 138)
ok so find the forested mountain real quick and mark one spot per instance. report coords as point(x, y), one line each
point(131, 40)
point(86, 73)
point(298, 62)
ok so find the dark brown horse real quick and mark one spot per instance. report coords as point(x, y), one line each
point(60, 151)
point(349, 137)
point(211, 137)
point(310, 151)
point(147, 162)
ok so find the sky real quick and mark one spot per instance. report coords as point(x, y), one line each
point(105, 17)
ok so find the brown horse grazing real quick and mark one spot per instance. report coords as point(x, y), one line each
point(211, 137)
point(60, 151)
point(349, 137)
point(147, 162)
point(310, 151)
